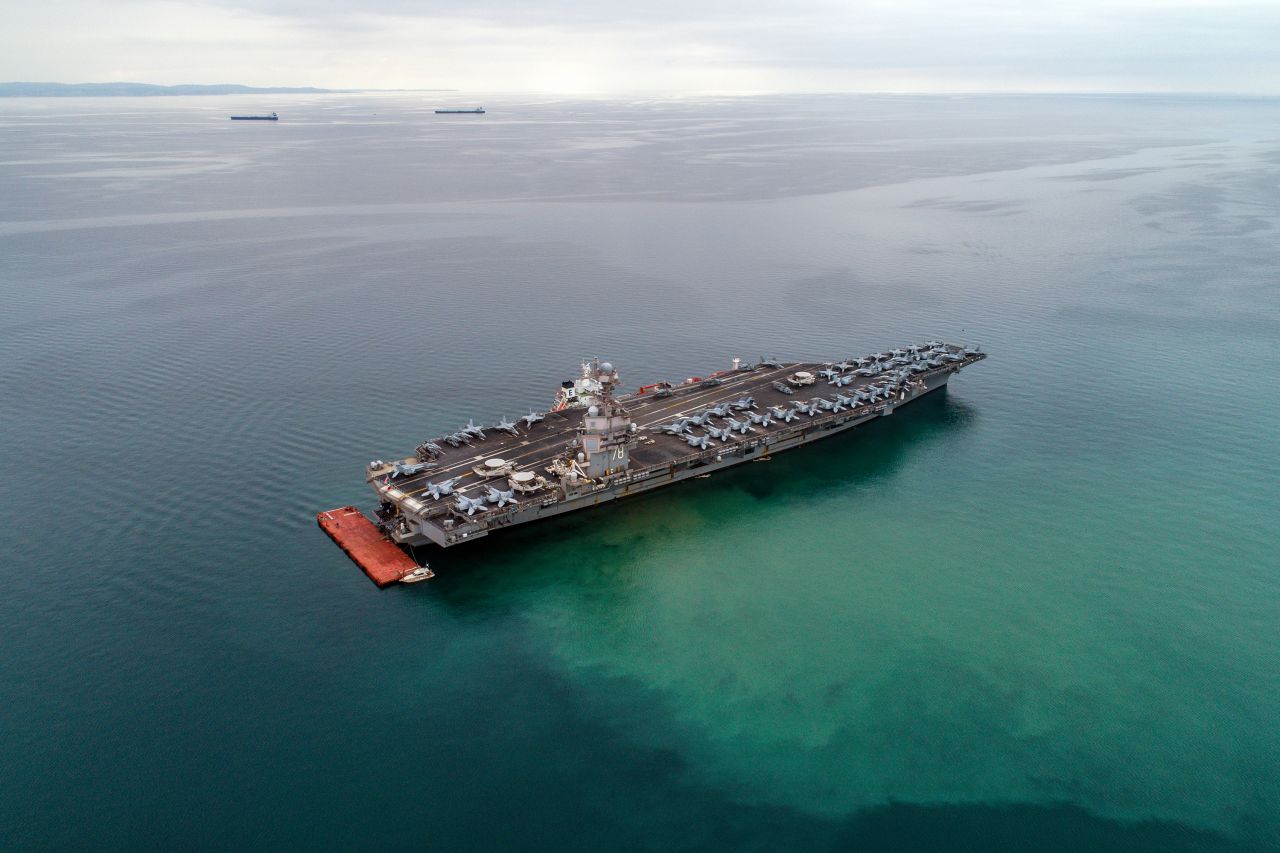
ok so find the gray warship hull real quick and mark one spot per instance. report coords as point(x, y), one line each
point(582, 457)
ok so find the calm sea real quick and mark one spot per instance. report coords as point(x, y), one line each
point(1040, 611)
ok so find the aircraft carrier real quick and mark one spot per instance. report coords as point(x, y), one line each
point(597, 444)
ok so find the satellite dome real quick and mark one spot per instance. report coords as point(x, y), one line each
point(607, 367)
point(594, 410)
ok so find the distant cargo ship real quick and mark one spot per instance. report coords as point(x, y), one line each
point(272, 117)
point(473, 112)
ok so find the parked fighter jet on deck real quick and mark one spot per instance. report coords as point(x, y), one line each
point(469, 505)
point(408, 469)
point(500, 498)
point(441, 489)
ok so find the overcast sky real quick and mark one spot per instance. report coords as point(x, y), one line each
point(589, 46)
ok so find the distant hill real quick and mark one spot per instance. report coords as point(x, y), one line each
point(131, 90)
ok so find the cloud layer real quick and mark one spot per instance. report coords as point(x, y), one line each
point(664, 45)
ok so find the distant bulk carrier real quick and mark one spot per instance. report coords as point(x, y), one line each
point(596, 445)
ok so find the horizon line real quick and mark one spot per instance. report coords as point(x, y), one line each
point(313, 89)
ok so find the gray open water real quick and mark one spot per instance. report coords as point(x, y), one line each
point(1041, 611)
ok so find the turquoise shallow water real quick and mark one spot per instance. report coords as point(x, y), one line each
point(1039, 611)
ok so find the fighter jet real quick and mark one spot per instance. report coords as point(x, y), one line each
point(531, 418)
point(439, 490)
point(736, 425)
point(699, 419)
point(470, 505)
point(972, 350)
point(866, 371)
point(841, 381)
point(920, 367)
point(933, 344)
point(783, 387)
point(722, 434)
point(810, 408)
point(429, 448)
point(698, 441)
point(762, 419)
point(506, 426)
point(676, 427)
point(456, 439)
point(784, 415)
point(744, 403)
point(828, 372)
point(952, 356)
point(500, 498)
point(847, 402)
point(408, 469)
point(720, 410)
point(471, 429)
point(844, 366)
point(768, 362)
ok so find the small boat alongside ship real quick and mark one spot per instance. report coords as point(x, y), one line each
point(421, 573)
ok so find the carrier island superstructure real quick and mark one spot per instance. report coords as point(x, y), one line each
point(597, 444)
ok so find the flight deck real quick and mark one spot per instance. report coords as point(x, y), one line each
point(598, 445)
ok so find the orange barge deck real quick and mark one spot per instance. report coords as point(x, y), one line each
point(379, 558)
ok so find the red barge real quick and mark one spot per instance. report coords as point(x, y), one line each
point(380, 558)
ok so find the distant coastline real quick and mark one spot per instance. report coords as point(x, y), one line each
point(133, 90)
